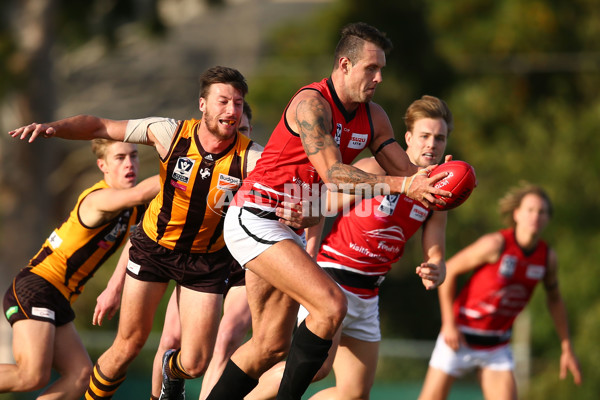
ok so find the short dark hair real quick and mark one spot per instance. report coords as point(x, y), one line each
point(353, 37)
point(220, 74)
point(247, 110)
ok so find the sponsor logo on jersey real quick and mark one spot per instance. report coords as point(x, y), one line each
point(228, 182)
point(535, 272)
point(133, 267)
point(43, 312)
point(358, 141)
point(55, 240)
point(183, 169)
point(508, 266)
point(418, 213)
point(11, 311)
point(209, 157)
point(338, 134)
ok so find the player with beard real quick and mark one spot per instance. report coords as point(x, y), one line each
point(202, 163)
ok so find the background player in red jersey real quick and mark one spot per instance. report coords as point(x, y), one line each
point(476, 326)
point(38, 302)
point(366, 239)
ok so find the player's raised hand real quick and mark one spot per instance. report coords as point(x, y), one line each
point(33, 131)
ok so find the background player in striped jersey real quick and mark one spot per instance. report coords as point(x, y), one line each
point(476, 326)
point(38, 302)
point(201, 163)
point(359, 251)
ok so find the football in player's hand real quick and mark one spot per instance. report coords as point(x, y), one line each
point(460, 181)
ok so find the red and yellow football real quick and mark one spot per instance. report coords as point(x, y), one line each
point(461, 181)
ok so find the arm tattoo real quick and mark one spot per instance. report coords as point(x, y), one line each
point(314, 133)
point(351, 179)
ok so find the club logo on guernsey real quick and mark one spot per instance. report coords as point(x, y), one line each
point(55, 240)
point(358, 141)
point(183, 169)
point(508, 266)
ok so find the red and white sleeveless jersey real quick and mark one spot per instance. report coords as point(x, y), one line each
point(284, 172)
point(496, 293)
point(369, 238)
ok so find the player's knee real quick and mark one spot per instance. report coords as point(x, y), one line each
point(129, 348)
point(169, 341)
point(335, 309)
point(196, 366)
point(34, 381)
point(275, 352)
point(82, 379)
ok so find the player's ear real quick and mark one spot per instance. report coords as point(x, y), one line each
point(344, 64)
point(101, 162)
point(407, 137)
point(202, 104)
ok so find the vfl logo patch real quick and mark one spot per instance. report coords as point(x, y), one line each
point(133, 267)
point(358, 141)
point(338, 134)
point(43, 312)
point(55, 240)
point(508, 266)
point(11, 311)
point(388, 204)
point(227, 182)
point(183, 169)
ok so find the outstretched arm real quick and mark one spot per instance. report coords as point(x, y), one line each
point(558, 311)
point(80, 127)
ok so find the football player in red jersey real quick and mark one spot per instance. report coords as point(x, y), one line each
point(324, 127)
point(366, 239)
point(476, 325)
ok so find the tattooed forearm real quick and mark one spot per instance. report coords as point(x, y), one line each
point(314, 122)
point(352, 180)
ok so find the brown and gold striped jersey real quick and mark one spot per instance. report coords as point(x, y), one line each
point(73, 252)
point(196, 189)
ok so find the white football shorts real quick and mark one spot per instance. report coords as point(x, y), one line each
point(466, 359)
point(362, 319)
point(247, 235)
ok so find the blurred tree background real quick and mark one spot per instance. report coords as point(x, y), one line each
point(521, 77)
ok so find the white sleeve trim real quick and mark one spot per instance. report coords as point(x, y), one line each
point(254, 153)
point(163, 130)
